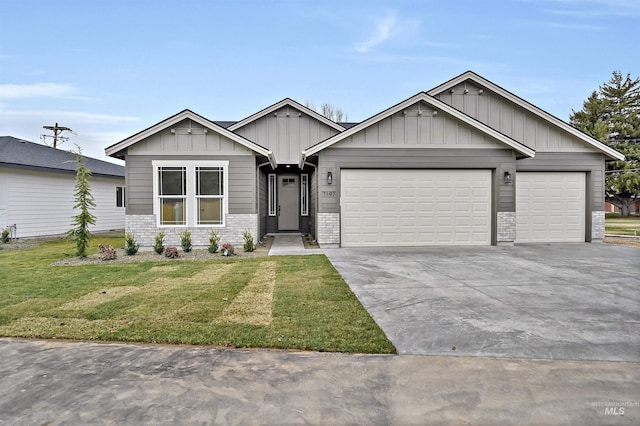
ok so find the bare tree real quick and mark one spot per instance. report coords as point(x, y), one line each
point(328, 111)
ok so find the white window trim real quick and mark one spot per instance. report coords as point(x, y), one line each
point(191, 200)
point(304, 195)
point(272, 185)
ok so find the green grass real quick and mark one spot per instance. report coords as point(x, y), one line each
point(308, 305)
point(622, 225)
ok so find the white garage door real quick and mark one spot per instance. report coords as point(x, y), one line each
point(550, 207)
point(415, 207)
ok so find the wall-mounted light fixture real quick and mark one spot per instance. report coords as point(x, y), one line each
point(206, 131)
point(173, 131)
point(329, 178)
point(452, 90)
point(480, 92)
point(435, 113)
point(466, 91)
point(507, 177)
point(189, 131)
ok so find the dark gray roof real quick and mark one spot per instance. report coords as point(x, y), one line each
point(20, 153)
point(347, 124)
point(225, 124)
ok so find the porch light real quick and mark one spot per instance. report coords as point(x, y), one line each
point(507, 177)
point(329, 178)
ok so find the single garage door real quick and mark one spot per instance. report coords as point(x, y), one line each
point(415, 207)
point(550, 207)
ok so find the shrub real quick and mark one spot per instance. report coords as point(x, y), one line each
point(214, 240)
point(131, 246)
point(227, 249)
point(248, 241)
point(171, 252)
point(5, 235)
point(107, 252)
point(159, 246)
point(185, 240)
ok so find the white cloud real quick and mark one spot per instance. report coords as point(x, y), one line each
point(36, 90)
point(384, 29)
point(71, 116)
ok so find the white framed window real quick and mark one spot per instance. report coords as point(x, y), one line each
point(272, 194)
point(304, 195)
point(209, 195)
point(120, 196)
point(190, 193)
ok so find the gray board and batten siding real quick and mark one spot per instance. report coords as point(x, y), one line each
point(286, 132)
point(510, 119)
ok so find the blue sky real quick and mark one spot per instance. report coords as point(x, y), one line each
point(108, 69)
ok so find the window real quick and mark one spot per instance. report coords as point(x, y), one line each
point(190, 193)
point(120, 196)
point(304, 195)
point(172, 191)
point(272, 195)
point(209, 195)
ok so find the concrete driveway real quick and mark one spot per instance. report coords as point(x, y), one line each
point(543, 301)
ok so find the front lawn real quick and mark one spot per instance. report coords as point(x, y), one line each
point(622, 225)
point(292, 302)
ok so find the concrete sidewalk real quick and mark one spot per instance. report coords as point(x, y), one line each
point(52, 382)
point(290, 244)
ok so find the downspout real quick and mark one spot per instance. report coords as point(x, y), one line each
point(259, 236)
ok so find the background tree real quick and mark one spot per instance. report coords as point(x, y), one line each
point(328, 111)
point(612, 115)
point(85, 202)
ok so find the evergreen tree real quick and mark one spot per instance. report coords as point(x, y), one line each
point(85, 202)
point(612, 115)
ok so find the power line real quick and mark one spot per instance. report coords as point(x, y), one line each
point(57, 130)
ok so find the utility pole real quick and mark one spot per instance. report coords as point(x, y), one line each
point(57, 130)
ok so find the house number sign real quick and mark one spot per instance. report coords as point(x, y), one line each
point(328, 193)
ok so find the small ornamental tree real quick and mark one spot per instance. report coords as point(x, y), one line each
point(84, 202)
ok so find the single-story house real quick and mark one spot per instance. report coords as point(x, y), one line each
point(465, 163)
point(610, 208)
point(37, 186)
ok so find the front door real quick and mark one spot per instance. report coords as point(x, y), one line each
point(288, 193)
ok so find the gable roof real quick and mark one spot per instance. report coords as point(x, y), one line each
point(20, 153)
point(470, 75)
point(286, 102)
point(116, 148)
point(435, 103)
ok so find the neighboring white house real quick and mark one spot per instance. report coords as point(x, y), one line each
point(37, 184)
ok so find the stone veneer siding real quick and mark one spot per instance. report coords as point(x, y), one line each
point(506, 228)
point(597, 227)
point(144, 230)
point(328, 228)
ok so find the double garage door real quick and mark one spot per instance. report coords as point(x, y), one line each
point(453, 207)
point(415, 207)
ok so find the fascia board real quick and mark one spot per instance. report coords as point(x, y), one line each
point(470, 75)
point(186, 114)
point(434, 103)
point(283, 103)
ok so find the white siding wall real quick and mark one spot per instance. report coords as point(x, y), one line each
point(4, 222)
point(41, 203)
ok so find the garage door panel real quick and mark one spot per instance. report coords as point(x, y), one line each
point(550, 207)
point(416, 207)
